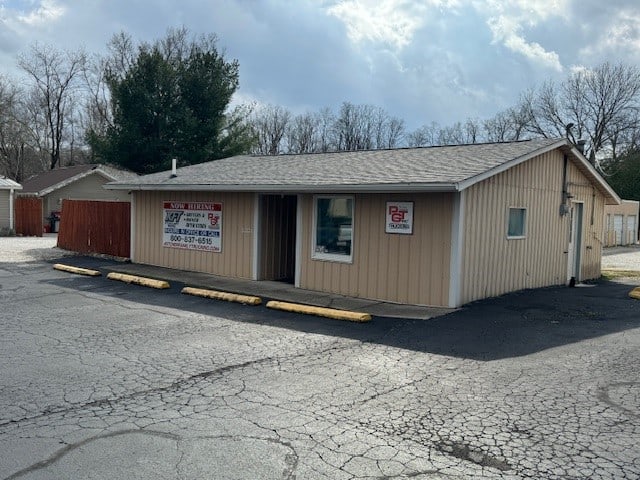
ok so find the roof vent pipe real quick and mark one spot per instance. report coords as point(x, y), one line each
point(174, 166)
point(580, 145)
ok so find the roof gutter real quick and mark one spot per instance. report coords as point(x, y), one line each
point(365, 188)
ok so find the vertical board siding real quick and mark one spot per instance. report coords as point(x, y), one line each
point(235, 260)
point(95, 227)
point(28, 216)
point(410, 269)
point(493, 264)
point(4, 208)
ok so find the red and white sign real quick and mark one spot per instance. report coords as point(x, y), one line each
point(192, 225)
point(399, 218)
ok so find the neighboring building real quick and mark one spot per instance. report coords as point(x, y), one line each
point(439, 226)
point(8, 190)
point(621, 223)
point(78, 182)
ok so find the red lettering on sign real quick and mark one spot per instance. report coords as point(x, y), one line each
point(397, 214)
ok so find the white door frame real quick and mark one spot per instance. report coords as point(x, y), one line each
point(574, 250)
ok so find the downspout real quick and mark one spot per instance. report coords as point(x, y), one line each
point(11, 213)
point(565, 194)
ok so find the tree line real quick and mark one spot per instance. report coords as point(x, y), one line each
point(600, 106)
point(142, 104)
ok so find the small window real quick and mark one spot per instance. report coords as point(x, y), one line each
point(333, 228)
point(517, 223)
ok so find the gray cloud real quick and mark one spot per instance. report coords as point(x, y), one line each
point(441, 61)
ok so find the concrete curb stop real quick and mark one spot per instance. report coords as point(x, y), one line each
point(218, 295)
point(320, 311)
point(136, 280)
point(635, 293)
point(76, 270)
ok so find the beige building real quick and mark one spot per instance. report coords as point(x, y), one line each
point(78, 182)
point(621, 223)
point(439, 226)
point(8, 189)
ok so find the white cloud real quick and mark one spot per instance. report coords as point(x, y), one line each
point(507, 20)
point(47, 11)
point(26, 19)
point(507, 31)
point(390, 22)
point(42, 13)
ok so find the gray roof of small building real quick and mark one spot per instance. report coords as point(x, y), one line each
point(8, 184)
point(46, 182)
point(446, 168)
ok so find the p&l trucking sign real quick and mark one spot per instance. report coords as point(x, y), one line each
point(192, 225)
point(399, 218)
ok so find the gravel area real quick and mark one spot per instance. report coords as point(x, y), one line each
point(30, 249)
point(621, 258)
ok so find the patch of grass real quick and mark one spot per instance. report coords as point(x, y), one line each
point(613, 274)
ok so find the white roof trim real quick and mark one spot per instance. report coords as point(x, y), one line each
point(8, 184)
point(579, 157)
point(601, 181)
point(73, 179)
point(507, 165)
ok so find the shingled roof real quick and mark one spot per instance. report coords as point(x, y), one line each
point(51, 180)
point(446, 168)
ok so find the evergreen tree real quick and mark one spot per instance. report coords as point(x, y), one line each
point(170, 100)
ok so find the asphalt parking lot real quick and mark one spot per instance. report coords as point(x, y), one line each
point(100, 379)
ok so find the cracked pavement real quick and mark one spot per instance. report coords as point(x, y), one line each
point(106, 380)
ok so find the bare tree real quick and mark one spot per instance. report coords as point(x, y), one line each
point(98, 113)
point(612, 102)
point(270, 124)
point(54, 76)
point(12, 137)
point(600, 105)
point(424, 136)
point(97, 116)
point(326, 132)
point(434, 134)
point(365, 127)
point(506, 126)
point(354, 127)
point(472, 130)
point(303, 134)
point(395, 132)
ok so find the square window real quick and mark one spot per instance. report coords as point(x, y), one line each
point(517, 223)
point(333, 228)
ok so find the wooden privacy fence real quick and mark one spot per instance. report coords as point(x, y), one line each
point(28, 215)
point(95, 227)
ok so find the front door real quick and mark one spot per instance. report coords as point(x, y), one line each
point(575, 243)
point(277, 237)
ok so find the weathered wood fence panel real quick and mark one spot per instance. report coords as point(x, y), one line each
point(95, 227)
point(28, 215)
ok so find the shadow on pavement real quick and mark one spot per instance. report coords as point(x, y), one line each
point(512, 325)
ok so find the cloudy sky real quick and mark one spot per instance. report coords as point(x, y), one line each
point(421, 60)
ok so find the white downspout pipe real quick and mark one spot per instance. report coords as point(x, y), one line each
point(11, 213)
